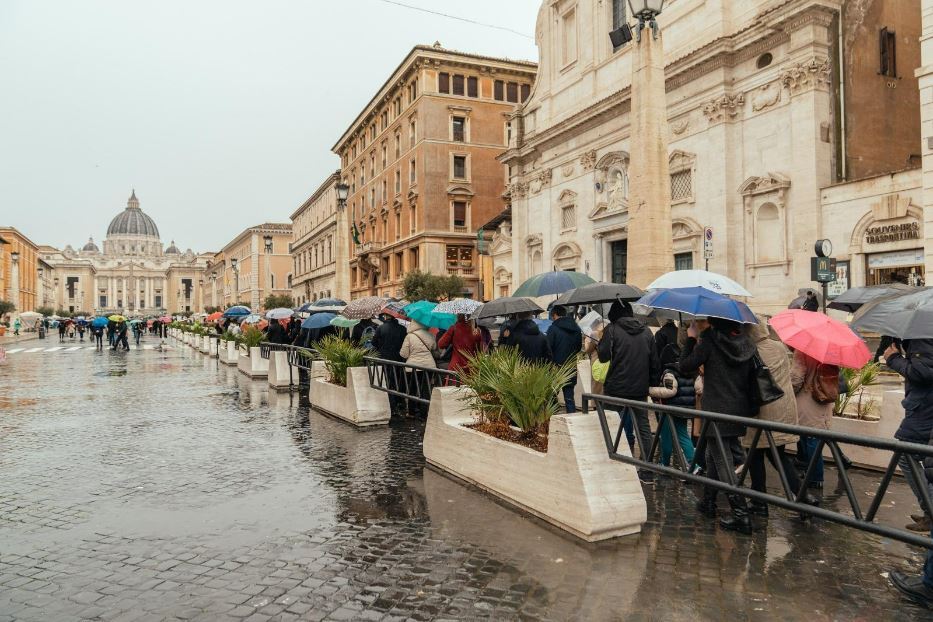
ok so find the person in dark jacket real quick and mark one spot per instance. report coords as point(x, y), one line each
point(665, 342)
point(388, 343)
point(276, 333)
point(363, 332)
point(628, 347)
point(725, 352)
point(565, 339)
point(526, 335)
point(811, 303)
point(915, 364)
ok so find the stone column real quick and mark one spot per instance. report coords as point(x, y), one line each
point(650, 243)
point(925, 76)
point(598, 257)
point(14, 283)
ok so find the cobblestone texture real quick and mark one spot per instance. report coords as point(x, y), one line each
point(153, 486)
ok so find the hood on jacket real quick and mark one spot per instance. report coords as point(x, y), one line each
point(762, 330)
point(735, 346)
point(566, 324)
point(631, 325)
point(527, 327)
point(620, 310)
point(919, 346)
point(414, 326)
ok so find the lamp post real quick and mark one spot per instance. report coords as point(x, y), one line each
point(343, 191)
point(267, 245)
point(235, 266)
point(14, 279)
point(649, 171)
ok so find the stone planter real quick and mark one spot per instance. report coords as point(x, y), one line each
point(357, 403)
point(205, 345)
point(281, 375)
point(252, 364)
point(229, 355)
point(213, 345)
point(574, 486)
point(892, 413)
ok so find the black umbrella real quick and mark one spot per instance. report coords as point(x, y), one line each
point(596, 293)
point(853, 300)
point(507, 306)
point(905, 316)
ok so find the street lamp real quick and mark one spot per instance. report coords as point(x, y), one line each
point(14, 256)
point(646, 11)
point(343, 191)
point(267, 239)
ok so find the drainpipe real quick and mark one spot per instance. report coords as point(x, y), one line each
point(842, 97)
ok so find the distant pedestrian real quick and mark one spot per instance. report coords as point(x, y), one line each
point(137, 332)
point(120, 339)
point(61, 331)
point(98, 333)
point(276, 333)
point(565, 340)
point(17, 324)
point(811, 303)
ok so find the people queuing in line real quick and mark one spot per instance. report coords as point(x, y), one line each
point(465, 340)
point(419, 348)
point(565, 342)
point(387, 343)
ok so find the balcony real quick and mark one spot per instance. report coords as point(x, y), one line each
point(465, 272)
point(368, 247)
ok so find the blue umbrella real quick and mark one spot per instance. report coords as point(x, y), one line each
point(699, 301)
point(423, 313)
point(237, 311)
point(99, 322)
point(552, 283)
point(318, 320)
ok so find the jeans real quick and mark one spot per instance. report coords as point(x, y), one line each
point(722, 468)
point(809, 447)
point(568, 390)
point(637, 418)
point(912, 482)
point(683, 439)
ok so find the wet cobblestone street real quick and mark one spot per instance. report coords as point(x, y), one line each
point(150, 486)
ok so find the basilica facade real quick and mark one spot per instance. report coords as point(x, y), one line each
point(134, 274)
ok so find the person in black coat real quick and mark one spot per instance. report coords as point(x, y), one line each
point(915, 364)
point(532, 345)
point(726, 354)
point(276, 333)
point(665, 342)
point(628, 346)
point(565, 339)
point(388, 343)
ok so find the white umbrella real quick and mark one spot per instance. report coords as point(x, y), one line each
point(279, 314)
point(699, 278)
point(458, 306)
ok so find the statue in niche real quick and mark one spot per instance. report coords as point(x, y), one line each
point(617, 188)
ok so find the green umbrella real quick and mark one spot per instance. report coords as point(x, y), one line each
point(423, 313)
point(343, 322)
point(552, 284)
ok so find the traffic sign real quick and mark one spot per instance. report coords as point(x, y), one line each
point(708, 243)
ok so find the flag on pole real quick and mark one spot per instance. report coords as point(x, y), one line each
point(356, 234)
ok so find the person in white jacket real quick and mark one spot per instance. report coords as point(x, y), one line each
point(419, 349)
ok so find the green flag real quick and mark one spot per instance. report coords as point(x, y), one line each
point(356, 234)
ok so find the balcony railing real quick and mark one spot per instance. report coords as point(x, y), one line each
point(460, 271)
point(369, 247)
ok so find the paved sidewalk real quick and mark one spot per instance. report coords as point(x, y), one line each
point(9, 338)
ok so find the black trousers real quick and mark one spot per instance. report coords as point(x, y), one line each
point(756, 468)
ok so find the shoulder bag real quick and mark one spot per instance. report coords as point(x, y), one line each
point(766, 390)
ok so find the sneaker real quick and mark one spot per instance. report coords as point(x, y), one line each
point(913, 587)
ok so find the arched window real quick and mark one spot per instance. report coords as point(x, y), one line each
point(768, 233)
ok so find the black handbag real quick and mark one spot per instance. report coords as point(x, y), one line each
point(766, 390)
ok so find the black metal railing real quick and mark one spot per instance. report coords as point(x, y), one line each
point(791, 499)
point(301, 358)
point(412, 382)
point(266, 348)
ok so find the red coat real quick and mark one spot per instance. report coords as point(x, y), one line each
point(465, 342)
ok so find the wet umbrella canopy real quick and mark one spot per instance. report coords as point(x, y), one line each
point(596, 293)
point(552, 283)
point(699, 301)
point(507, 306)
point(458, 306)
point(318, 320)
point(908, 316)
point(237, 311)
point(855, 298)
point(821, 337)
point(364, 308)
point(681, 279)
point(423, 313)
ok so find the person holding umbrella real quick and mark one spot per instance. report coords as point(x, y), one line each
point(419, 348)
point(726, 354)
point(565, 340)
point(465, 339)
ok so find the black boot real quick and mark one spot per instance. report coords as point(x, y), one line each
point(707, 505)
point(758, 508)
point(739, 521)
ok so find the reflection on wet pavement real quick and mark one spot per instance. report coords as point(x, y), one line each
point(153, 485)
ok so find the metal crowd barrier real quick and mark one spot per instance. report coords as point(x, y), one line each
point(791, 499)
point(411, 382)
point(301, 358)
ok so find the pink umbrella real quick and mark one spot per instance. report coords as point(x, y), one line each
point(822, 338)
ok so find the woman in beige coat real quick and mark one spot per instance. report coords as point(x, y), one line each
point(816, 386)
point(419, 348)
point(776, 356)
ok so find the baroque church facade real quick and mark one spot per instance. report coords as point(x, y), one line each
point(785, 125)
point(133, 274)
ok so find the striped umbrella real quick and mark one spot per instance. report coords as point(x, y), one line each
point(364, 308)
point(458, 306)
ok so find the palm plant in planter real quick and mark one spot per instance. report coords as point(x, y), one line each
point(228, 335)
point(507, 388)
point(856, 381)
point(251, 337)
point(339, 355)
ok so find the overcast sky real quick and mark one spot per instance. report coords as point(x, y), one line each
point(221, 113)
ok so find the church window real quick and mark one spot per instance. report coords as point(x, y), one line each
point(682, 185)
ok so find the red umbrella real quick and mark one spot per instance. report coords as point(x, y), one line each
point(216, 315)
point(822, 338)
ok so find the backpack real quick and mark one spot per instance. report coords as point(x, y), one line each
point(822, 382)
